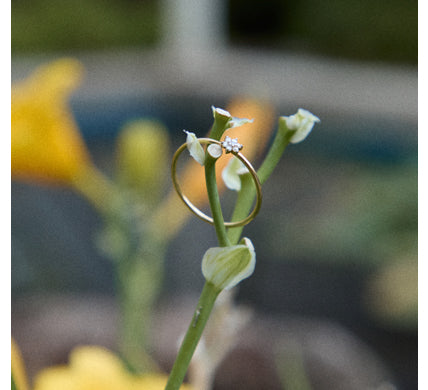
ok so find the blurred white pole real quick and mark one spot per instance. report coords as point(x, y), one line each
point(193, 27)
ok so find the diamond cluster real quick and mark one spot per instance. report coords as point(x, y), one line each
point(231, 145)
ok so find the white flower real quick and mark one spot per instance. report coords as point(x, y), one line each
point(195, 148)
point(230, 174)
point(225, 267)
point(302, 123)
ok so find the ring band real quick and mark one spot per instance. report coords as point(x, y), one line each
point(198, 212)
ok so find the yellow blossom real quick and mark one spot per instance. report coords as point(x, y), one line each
point(254, 136)
point(18, 368)
point(96, 368)
point(45, 141)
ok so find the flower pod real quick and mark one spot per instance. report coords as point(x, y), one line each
point(225, 267)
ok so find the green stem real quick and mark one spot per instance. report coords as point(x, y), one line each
point(205, 304)
point(220, 125)
point(214, 200)
point(291, 369)
point(96, 188)
point(247, 193)
point(139, 277)
point(282, 139)
point(139, 280)
point(210, 292)
point(13, 384)
point(243, 204)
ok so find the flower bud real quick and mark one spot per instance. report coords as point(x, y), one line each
point(142, 157)
point(300, 123)
point(225, 267)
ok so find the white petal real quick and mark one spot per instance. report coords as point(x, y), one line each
point(248, 271)
point(195, 148)
point(236, 122)
point(292, 122)
point(301, 123)
point(304, 129)
point(231, 173)
point(308, 115)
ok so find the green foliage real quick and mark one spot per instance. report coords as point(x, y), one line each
point(49, 25)
point(358, 29)
point(367, 29)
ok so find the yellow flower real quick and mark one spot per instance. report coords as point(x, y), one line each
point(46, 144)
point(96, 368)
point(254, 136)
point(18, 368)
point(154, 382)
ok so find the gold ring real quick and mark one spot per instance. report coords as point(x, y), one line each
point(198, 212)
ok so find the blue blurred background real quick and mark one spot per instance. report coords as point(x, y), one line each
point(337, 236)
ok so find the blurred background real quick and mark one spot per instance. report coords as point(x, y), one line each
point(336, 239)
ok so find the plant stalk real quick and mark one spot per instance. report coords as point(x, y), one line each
point(209, 292)
point(194, 332)
point(214, 200)
point(247, 193)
